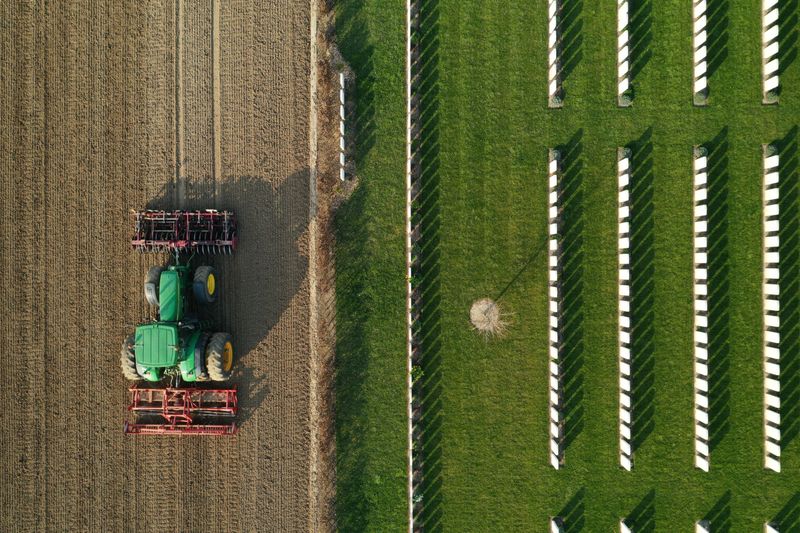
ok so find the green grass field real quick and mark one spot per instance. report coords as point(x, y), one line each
point(370, 280)
point(488, 130)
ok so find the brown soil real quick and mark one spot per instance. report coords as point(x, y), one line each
point(108, 106)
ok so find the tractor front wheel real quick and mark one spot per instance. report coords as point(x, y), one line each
point(219, 357)
point(128, 359)
point(205, 285)
point(151, 284)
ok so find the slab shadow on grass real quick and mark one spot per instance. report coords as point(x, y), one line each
point(717, 30)
point(643, 517)
point(788, 518)
point(571, 260)
point(718, 289)
point(570, 32)
point(571, 515)
point(787, 23)
point(640, 28)
point(642, 255)
point(426, 212)
point(790, 285)
point(357, 48)
point(719, 517)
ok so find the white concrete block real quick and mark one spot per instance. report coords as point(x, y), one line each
point(772, 194)
point(701, 463)
point(772, 321)
point(771, 50)
point(772, 464)
point(771, 83)
point(772, 448)
point(772, 401)
point(772, 417)
point(770, 34)
point(773, 433)
point(772, 210)
point(772, 67)
point(772, 369)
point(772, 385)
point(700, 84)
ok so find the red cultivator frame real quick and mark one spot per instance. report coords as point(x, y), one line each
point(208, 231)
point(180, 408)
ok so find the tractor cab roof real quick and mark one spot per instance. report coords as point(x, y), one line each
point(157, 345)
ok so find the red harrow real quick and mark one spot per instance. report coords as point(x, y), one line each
point(207, 232)
point(179, 411)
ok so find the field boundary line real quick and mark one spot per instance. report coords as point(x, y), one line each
point(409, 311)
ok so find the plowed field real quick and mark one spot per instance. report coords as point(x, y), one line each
point(107, 106)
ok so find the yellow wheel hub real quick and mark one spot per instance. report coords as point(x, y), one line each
point(211, 284)
point(227, 357)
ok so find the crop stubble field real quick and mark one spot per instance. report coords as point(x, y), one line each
point(166, 104)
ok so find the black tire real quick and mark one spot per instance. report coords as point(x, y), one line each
point(219, 357)
point(206, 285)
point(151, 284)
point(128, 359)
point(201, 374)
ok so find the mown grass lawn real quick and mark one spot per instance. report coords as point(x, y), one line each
point(370, 277)
point(486, 420)
point(494, 129)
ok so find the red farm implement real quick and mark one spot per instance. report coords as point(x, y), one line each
point(181, 411)
point(207, 231)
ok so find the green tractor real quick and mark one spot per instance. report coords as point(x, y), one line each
point(178, 344)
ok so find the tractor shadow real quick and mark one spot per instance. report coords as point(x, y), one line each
point(790, 285)
point(571, 260)
point(718, 289)
point(261, 279)
point(642, 256)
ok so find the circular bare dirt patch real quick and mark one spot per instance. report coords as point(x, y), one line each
point(486, 317)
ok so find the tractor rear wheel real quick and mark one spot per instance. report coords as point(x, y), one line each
point(205, 285)
point(128, 359)
point(151, 283)
point(219, 357)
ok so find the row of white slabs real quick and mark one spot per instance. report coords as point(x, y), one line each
point(770, 50)
point(771, 309)
point(557, 525)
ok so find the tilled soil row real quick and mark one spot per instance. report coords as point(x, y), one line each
point(106, 108)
